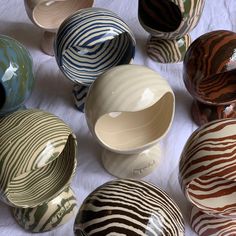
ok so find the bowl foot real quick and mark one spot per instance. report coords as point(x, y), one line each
point(203, 113)
point(167, 51)
point(131, 165)
point(47, 43)
point(80, 93)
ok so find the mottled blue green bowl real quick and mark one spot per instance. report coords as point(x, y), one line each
point(16, 75)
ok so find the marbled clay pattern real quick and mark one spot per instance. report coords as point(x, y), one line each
point(168, 22)
point(209, 75)
point(128, 207)
point(207, 170)
point(207, 225)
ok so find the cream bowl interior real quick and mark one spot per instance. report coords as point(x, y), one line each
point(88, 62)
point(161, 15)
point(37, 186)
point(50, 14)
point(125, 131)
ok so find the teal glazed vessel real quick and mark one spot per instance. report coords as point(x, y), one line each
point(16, 75)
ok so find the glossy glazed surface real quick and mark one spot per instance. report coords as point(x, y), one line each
point(211, 81)
point(49, 215)
point(90, 42)
point(129, 207)
point(205, 225)
point(171, 20)
point(16, 75)
point(207, 168)
point(37, 157)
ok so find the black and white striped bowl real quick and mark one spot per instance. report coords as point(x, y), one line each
point(128, 207)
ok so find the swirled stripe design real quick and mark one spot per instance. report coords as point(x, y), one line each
point(207, 168)
point(169, 19)
point(129, 207)
point(49, 215)
point(209, 68)
point(37, 157)
point(207, 225)
point(168, 51)
point(91, 41)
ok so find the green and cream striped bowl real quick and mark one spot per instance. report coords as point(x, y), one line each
point(37, 157)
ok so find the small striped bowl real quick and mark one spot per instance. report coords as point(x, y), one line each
point(90, 42)
point(49, 215)
point(209, 76)
point(207, 169)
point(129, 207)
point(37, 157)
point(16, 75)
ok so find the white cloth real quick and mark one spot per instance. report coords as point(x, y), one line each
point(52, 92)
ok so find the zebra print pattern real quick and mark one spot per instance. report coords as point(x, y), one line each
point(207, 168)
point(207, 225)
point(128, 207)
point(90, 42)
point(210, 69)
point(37, 157)
point(168, 51)
point(48, 215)
point(169, 19)
point(79, 93)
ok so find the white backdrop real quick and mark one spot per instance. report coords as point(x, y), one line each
point(53, 93)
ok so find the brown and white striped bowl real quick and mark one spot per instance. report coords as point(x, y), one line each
point(129, 109)
point(207, 170)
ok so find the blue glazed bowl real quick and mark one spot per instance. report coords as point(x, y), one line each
point(16, 75)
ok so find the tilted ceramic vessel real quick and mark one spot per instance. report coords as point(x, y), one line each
point(209, 76)
point(37, 157)
point(89, 43)
point(49, 215)
point(16, 75)
point(207, 170)
point(129, 207)
point(48, 15)
point(205, 225)
point(129, 109)
point(168, 22)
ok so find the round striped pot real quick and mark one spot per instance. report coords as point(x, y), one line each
point(129, 109)
point(129, 207)
point(16, 75)
point(205, 225)
point(48, 15)
point(37, 157)
point(49, 215)
point(209, 76)
point(168, 22)
point(90, 42)
point(207, 170)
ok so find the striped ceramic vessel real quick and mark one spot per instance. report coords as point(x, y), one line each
point(16, 75)
point(49, 215)
point(37, 157)
point(209, 75)
point(129, 109)
point(168, 22)
point(208, 225)
point(90, 42)
point(208, 168)
point(129, 207)
point(48, 15)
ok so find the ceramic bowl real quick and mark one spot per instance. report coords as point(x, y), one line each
point(48, 15)
point(90, 42)
point(16, 75)
point(129, 109)
point(208, 168)
point(129, 207)
point(209, 72)
point(205, 225)
point(168, 22)
point(37, 157)
point(49, 215)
